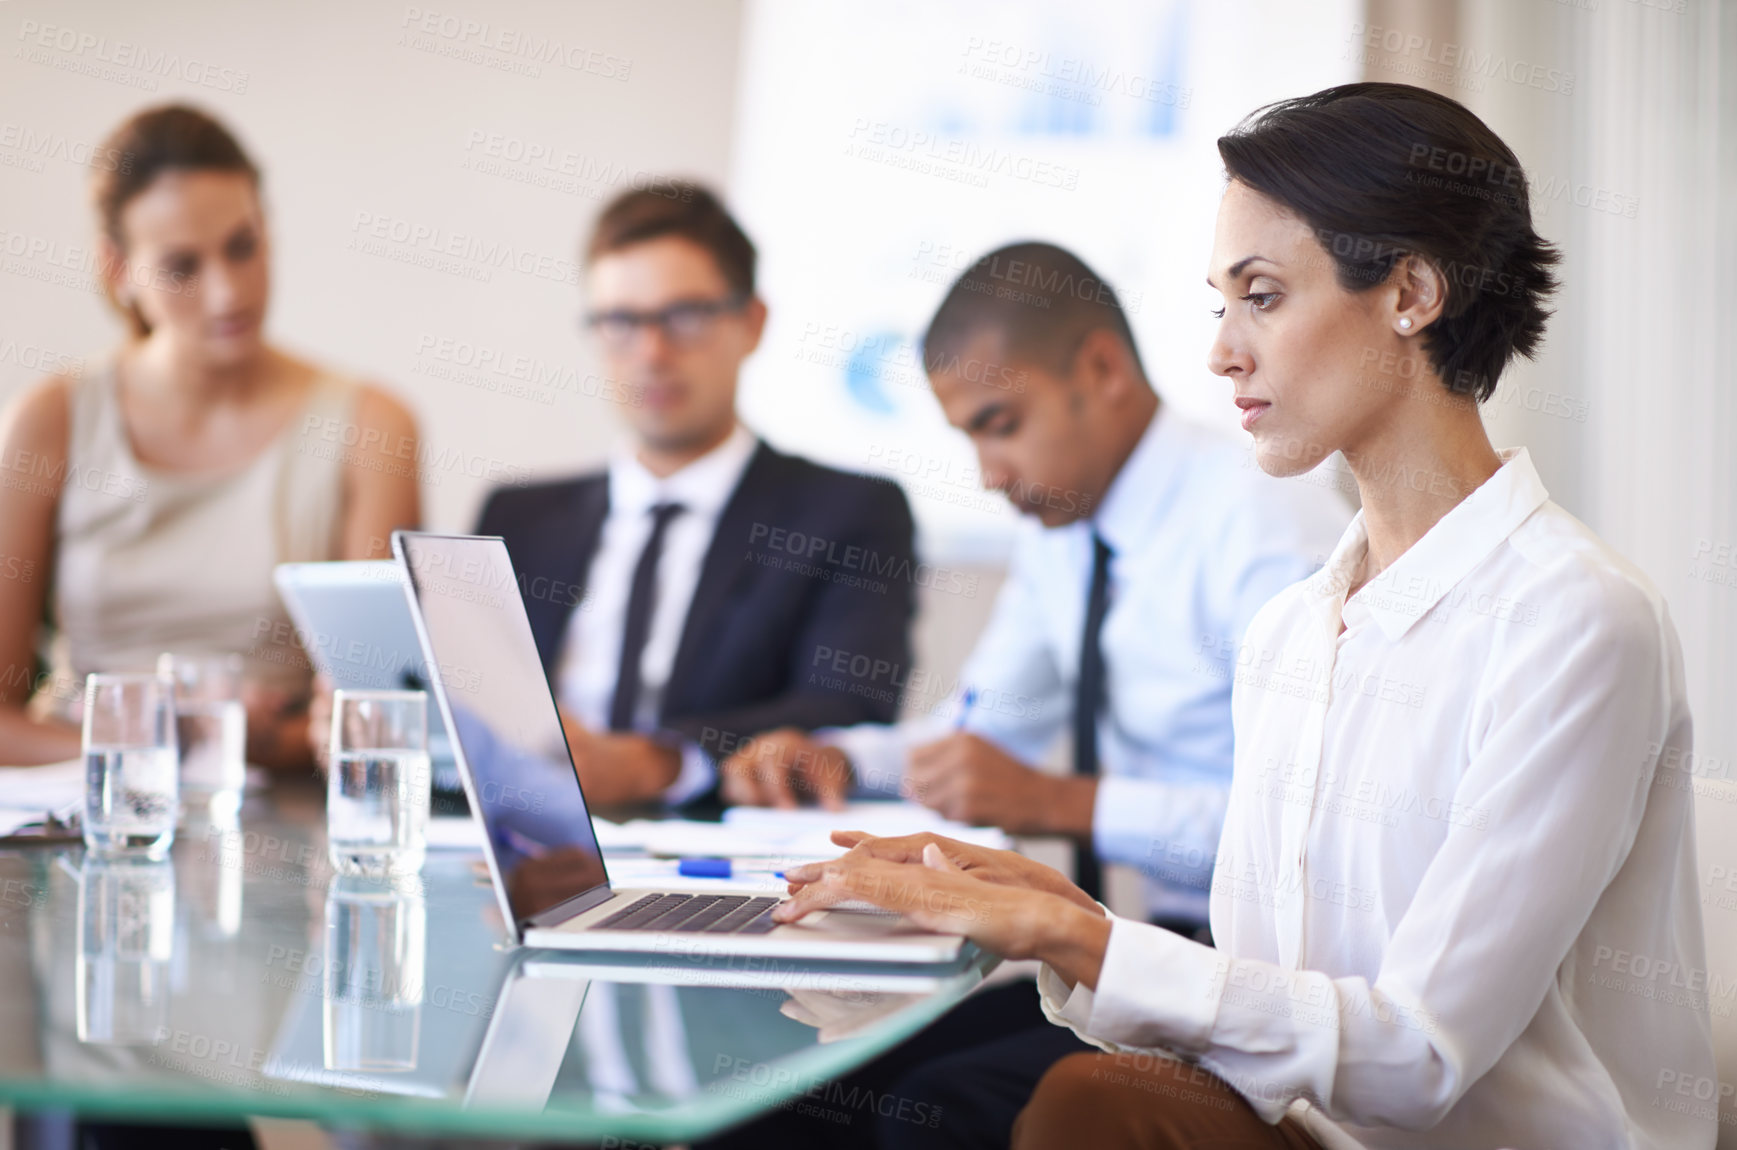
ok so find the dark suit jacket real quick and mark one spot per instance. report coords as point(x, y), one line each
point(807, 562)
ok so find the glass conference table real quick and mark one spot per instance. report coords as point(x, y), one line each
point(240, 978)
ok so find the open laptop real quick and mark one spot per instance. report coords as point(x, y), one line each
point(542, 852)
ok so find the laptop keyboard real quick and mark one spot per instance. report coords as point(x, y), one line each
point(701, 913)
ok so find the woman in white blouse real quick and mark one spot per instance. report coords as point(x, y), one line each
point(1455, 902)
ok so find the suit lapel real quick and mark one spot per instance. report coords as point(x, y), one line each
point(754, 500)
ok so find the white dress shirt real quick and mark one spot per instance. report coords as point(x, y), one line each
point(591, 653)
point(1201, 539)
point(1455, 903)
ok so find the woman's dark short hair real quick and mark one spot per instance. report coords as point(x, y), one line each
point(1380, 171)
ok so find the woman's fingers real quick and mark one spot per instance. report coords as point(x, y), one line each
point(944, 900)
point(962, 859)
point(819, 886)
point(828, 884)
point(936, 859)
point(892, 848)
point(806, 872)
point(859, 843)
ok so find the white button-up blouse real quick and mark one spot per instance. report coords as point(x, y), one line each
point(1455, 901)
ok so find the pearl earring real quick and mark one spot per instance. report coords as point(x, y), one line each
point(1404, 323)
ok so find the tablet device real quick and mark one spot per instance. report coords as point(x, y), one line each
point(352, 620)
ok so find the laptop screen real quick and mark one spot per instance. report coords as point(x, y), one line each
point(504, 720)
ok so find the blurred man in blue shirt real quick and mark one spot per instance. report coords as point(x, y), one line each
point(1148, 545)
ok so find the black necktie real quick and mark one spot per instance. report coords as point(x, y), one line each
point(640, 602)
point(1089, 701)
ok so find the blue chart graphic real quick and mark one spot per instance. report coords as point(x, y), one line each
point(1073, 90)
point(1067, 98)
point(868, 371)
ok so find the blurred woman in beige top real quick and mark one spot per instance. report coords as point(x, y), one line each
point(152, 498)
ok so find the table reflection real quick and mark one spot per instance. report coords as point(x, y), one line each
point(843, 1012)
point(646, 1034)
point(213, 880)
point(239, 978)
point(375, 956)
point(126, 938)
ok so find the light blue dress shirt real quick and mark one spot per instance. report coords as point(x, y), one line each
point(1201, 539)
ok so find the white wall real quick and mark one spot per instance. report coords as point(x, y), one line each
point(357, 115)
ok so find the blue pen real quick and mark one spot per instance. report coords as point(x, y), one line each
point(965, 703)
point(710, 868)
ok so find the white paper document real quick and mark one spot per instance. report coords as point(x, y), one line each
point(801, 834)
point(29, 793)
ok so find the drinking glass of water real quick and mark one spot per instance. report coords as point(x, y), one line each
point(130, 763)
point(210, 726)
point(378, 793)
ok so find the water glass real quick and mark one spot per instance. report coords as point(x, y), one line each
point(126, 937)
point(378, 793)
point(210, 725)
point(130, 763)
point(375, 963)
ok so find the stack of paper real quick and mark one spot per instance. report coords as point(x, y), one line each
point(29, 793)
point(772, 838)
point(877, 817)
point(646, 873)
point(762, 841)
point(796, 835)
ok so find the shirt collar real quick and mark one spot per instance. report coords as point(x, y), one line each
point(1460, 540)
point(702, 487)
point(1143, 487)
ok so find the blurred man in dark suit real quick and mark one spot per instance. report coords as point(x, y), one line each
point(678, 597)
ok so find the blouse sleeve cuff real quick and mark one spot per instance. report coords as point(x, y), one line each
point(1063, 1005)
point(1067, 1007)
point(1156, 989)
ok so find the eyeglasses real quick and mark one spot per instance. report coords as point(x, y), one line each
point(683, 323)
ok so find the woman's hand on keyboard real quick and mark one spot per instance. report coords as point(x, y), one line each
point(1011, 918)
point(1008, 868)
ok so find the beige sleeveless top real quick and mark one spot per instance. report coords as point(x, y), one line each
point(148, 561)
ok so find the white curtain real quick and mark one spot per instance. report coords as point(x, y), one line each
point(1631, 411)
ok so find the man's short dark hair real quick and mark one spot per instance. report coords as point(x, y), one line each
point(1040, 301)
point(683, 209)
point(1380, 171)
